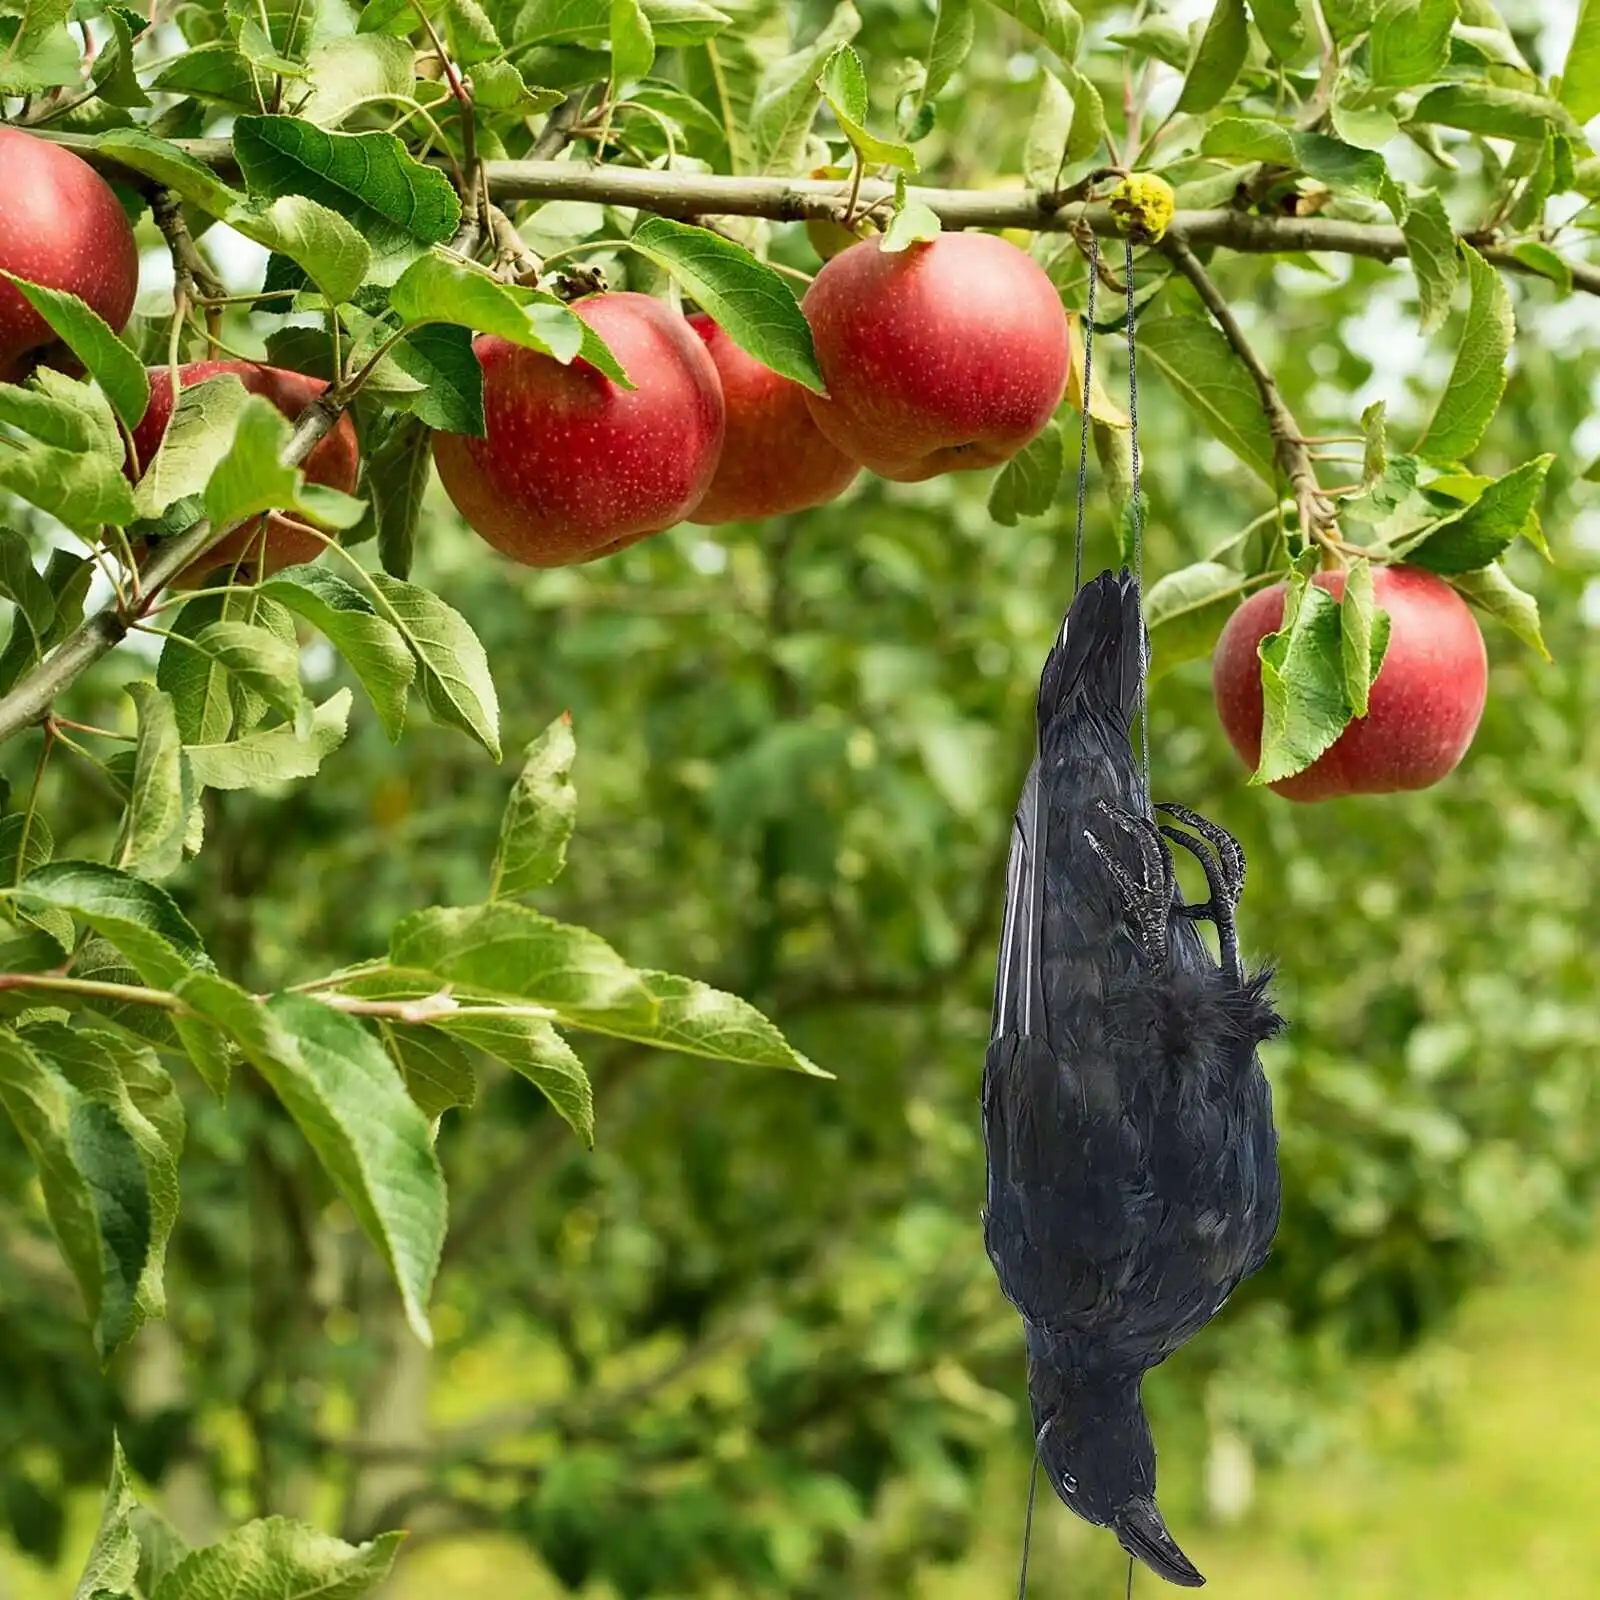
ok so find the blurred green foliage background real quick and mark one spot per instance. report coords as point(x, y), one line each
point(751, 1344)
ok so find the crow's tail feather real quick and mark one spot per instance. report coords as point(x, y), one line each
point(1098, 660)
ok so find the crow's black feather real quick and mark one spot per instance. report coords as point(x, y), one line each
point(1133, 1175)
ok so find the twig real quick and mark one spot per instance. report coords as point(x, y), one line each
point(190, 271)
point(693, 194)
point(559, 128)
point(512, 257)
point(30, 699)
point(1318, 520)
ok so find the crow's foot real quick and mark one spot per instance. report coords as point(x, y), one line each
point(1221, 858)
point(1148, 895)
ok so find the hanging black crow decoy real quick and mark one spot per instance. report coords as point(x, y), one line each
point(1133, 1177)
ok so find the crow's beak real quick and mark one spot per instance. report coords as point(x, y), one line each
point(1142, 1533)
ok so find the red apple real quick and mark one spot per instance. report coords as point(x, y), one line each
point(60, 225)
point(774, 459)
point(1425, 703)
point(574, 466)
point(944, 357)
point(334, 463)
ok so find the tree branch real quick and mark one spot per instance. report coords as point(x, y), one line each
point(31, 698)
point(1317, 520)
point(694, 194)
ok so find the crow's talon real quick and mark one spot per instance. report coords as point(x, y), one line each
point(1222, 859)
point(1229, 852)
point(1147, 898)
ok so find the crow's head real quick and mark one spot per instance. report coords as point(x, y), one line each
point(1095, 1445)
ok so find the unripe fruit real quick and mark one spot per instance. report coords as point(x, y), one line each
point(573, 466)
point(61, 226)
point(1424, 706)
point(774, 459)
point(947, 356)
point(335, 463)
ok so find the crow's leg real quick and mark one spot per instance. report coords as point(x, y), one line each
point(1146, 897)
point(1222, 859)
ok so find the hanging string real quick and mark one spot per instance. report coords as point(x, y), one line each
point(1027, 1523)
point(1083, 432)
point(1138, 516)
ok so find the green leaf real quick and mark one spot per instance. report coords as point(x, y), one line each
point(1283, 27)
point(170, 165)
point(112, 72)
point(252, 477)
point(369, 178)
point(1477, 536)
point(80, 483)
point(787, 95)
point(953, 29)
point(440, 358)
point(680, 22)
point(396, 477)
point(21, 584)
point(351, 1104)
point(507, 949)
point(1490, 591)
point(141, 920)
point(844, 87)
point(199, 434)
point(272, 755)
point(257, 657)
point(435, 288)
point(215, 70)
point(157, 812)
point(1410, 41)
point(1203, 367)
point(113, 1561)
point(129, 1081)
point(331, 251)
point(1540, 258)
point(93, 1183)
point(1362, 636)
point(1478, 378)
point(1044, 152)
point(372, 645)
point(1217, 61)
point(198, 686)
point(1499, 113)
point(437, 1071)
point(1053, 22)
point(161, 1547)
point(455, 678)
point(1302, 681)
point(1431, 244)
point(539, 816)
point(1026, 484)
point(1580, 77)
point(697, 1020)
point(633, 43)
point(1331, 161)
point(531, 1047)
point(912, 223)
point(95, 343)
point(1158, 37)
point(1375, 451)
point(346, 73)
point(36, 49)
point(746, 298)
point(471, 33)
point(1186, 610)
point(279, 1559)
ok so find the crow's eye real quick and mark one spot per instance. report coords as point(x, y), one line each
point(1069, 1483)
